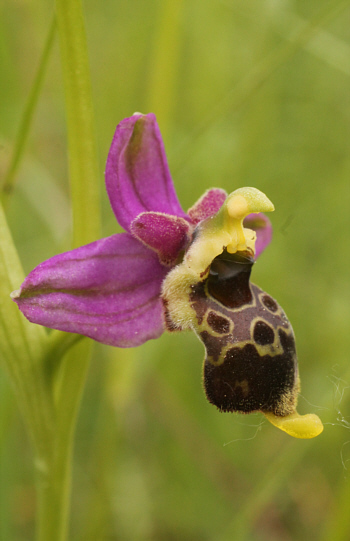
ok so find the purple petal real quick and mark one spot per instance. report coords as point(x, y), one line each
point(262, 225)
point(165, 234)
point(208, 205)
point(108, 290)
point(137, 172)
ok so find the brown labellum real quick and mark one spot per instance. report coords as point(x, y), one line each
point(251, 361)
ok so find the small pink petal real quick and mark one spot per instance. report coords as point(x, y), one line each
point(208, 205)
point(165, 234)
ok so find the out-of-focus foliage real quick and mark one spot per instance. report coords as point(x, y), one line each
point(242, 99)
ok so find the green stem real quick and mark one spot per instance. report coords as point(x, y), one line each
point(54, 483)
point(59, 344)
point(83, 166)
point(27, 118)
point(21, 348)
point(68, 381)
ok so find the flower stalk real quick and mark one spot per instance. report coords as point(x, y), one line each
point(54, 482)
point(82, 155)
point(21, 350)
point(66, 366)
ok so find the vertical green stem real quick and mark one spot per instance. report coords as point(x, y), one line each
point(68, 383)
point(21, 348)
point(83, 167)
point(53, 501)
point(54, 484)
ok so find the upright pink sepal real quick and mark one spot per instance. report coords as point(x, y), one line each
point(137, 173)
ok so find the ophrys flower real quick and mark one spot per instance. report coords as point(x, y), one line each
point(176, 270)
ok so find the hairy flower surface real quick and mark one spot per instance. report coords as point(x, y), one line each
point(177, 270)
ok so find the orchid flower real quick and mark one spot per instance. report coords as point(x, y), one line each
point(173, 270)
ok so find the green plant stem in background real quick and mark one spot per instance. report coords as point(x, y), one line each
point(21, 349)
point(83, 166)
point(69, 380)
point(27, 118)
point(49, 389)
point(54, 488)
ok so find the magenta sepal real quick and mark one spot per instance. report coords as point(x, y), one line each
point(108, 290)
point(137, 173)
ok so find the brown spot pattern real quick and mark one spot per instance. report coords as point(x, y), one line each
point(263, 333)
point(270, 303)
point(219, 324)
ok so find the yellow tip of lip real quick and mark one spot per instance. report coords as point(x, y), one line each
point(299, 426)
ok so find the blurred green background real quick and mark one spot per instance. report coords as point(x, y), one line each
point(246, 93)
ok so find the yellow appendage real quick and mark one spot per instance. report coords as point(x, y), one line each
point(299, 426)
point(225, 229)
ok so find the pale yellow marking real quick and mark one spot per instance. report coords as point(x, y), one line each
point(269, 349)
point(262, 350)
point(176, 290)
